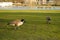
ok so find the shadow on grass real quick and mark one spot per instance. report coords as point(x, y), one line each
point(3, 24)
point(4, 20)
point(7, 28)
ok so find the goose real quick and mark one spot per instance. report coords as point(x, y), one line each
point(48, 18)
point(16, 23)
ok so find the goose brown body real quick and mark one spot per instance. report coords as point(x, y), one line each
point(16, 22)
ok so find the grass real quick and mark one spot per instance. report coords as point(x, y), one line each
point(35, 27)
point(36, 11)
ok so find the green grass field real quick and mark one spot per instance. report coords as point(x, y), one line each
point(35, 27)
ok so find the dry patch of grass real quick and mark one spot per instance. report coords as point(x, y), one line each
point(37, 11)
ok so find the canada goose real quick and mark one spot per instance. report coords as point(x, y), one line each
point(16, 23)
point(48, 19)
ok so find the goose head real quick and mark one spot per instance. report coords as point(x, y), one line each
point(22, 20)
